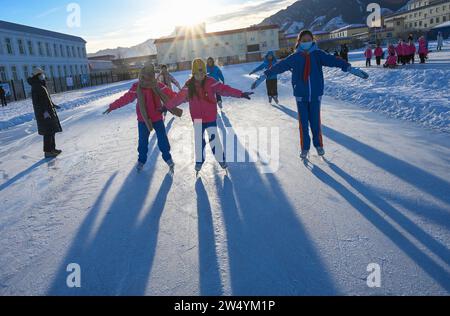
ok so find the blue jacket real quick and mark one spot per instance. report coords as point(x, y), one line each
point(314, 86)
point(266, 65)
point(216, 73)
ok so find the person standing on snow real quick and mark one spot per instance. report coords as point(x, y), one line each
point(151, 96)
point(378, 54)
point(423, 49)
point(440, 41)
point(45, 112)
point(215, 72)
point(200, 91)
point(368, 54)
point(412, 51)
point(272, 81)
point(3, 96)
point(400, 53)
point(308, 81)
point(344, 52)
point(167, 79)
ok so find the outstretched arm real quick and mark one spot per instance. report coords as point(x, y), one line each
point(178, 99)
point(281, 66)
point(221, 77)
point(175, 82)
point(332, 61)
point(259, 68)
point(226, 91)
point(127, 98)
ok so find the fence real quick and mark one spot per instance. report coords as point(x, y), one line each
point(20, 90)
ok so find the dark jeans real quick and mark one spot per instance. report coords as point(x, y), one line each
point(163, 141)
point(378, 60)
point(3, 101)
point(272, 87)
point(216, 145)
point(422, 58)
point(218, 98)
point(368, 62)
point(49, 143)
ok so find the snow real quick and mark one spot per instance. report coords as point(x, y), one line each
point(383, 197)
point(295, 28)
point(442, 25)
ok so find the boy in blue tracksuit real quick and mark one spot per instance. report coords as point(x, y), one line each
point(215, 72)
point(308, 83)
point(272, 79)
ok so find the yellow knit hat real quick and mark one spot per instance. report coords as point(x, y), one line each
point(197, 65)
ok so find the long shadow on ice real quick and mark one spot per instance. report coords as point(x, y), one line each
point(23, 174)
point(269, 250)
point(116, 257)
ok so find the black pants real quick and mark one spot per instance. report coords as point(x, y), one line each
point(368, 62)
point(422, 58)
point(413, 57)
point(3, 101)
point(272, 87)
point(218, 98)
point(378, 60)
point(49, 143)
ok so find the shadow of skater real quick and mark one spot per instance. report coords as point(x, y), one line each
point(269, 250)
point(210, 281)
point(23, 174)
point(439, 274)
point(120, 244)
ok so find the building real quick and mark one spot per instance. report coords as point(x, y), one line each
point(23, 48)
point(444, 28)
point(228, 47)
point(349, 31)
point(420, 16)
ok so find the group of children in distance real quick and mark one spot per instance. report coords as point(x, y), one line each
point(203, 91)
point(404, 53)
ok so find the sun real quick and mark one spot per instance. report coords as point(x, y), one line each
point(186, 13)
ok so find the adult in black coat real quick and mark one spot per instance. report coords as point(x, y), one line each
point(45, 113)
point(344, 52)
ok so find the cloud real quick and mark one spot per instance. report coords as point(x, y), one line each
point(48, 12)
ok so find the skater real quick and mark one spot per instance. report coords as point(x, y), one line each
point(167, 79)
point(344, 52)
point(440, 41)
point(378, 54)
point(307, 79)
point(45, 113)
point(215, 72)
point(200, 91)
point(412, 51)
point(423, 50)
point(3, 96)
point(151, 96)
point(272, 81)
point(368, 54)
point(391, 61)
point(400, 53)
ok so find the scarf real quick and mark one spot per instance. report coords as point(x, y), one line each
point(307, 71)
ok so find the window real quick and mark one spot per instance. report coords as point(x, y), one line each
point(438, 19)
point(3, 75)
point(68, 51)
point(60, 72)
point(79, 52)
point(40, 49)
point(15, 76)
point(52, 72)
point(21, 47)
point(73, 52)
point(431, 21)
point(26, 72)
point(9, 48)
point(65, 70)
point(444, 19)
point(55, 50)
point(47, 48)
point(76, 69)
point(71, 70)
point(62, 50)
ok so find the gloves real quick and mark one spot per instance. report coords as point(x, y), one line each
point(258, 81)
point(46, 115)
point(246, 95)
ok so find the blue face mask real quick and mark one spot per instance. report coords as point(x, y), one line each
point(306, 45)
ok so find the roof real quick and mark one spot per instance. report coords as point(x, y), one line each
point(437, 2)
point(229, 32)
point(440, 26)
point(32, 30)
point(350, 27)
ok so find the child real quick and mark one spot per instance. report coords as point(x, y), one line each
point(200, 91)
point(308, 82)
point(400, 53)
point(423, 49)
point(412, 51)
point(151, 96)
point(272, 81)
point(378, 54)
point(368, 54)
point(167, 79)
point(391, 61)
point(215, 72)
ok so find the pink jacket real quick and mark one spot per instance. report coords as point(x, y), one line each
point(204, 106)
point(153, 102)
point(423, 46)
point(399, 50)
point(391, 61)
point(378, 52)
point(412, 49)
point(368, 53)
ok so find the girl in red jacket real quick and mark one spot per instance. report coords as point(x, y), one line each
point(391, 61)
point(378, 54)
point(151, 96)
point(200, 91)
point(368, 54)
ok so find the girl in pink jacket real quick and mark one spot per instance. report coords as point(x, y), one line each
point(412, 51)
point(378, 54)
point(400, 53)
point(151, 96)
point(200, 91)
point(368, 54)
point(391, 61)
point(423, 49)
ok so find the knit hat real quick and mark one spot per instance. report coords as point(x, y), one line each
point(37, 71)
point(198, 65)
point(305, 32)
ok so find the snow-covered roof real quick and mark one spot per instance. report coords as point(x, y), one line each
point(445, 24)
point(349, 27)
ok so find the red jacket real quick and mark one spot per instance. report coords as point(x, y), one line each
point(153, 102)
point(204, 106)
point(368, 53)
point(378, 52)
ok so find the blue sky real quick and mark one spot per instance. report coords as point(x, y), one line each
point(113, 23)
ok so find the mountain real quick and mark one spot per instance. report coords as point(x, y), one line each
point(144, 49)
point(327, 15)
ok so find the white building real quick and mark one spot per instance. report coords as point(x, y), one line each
point(23, 48)
point(228, 47)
